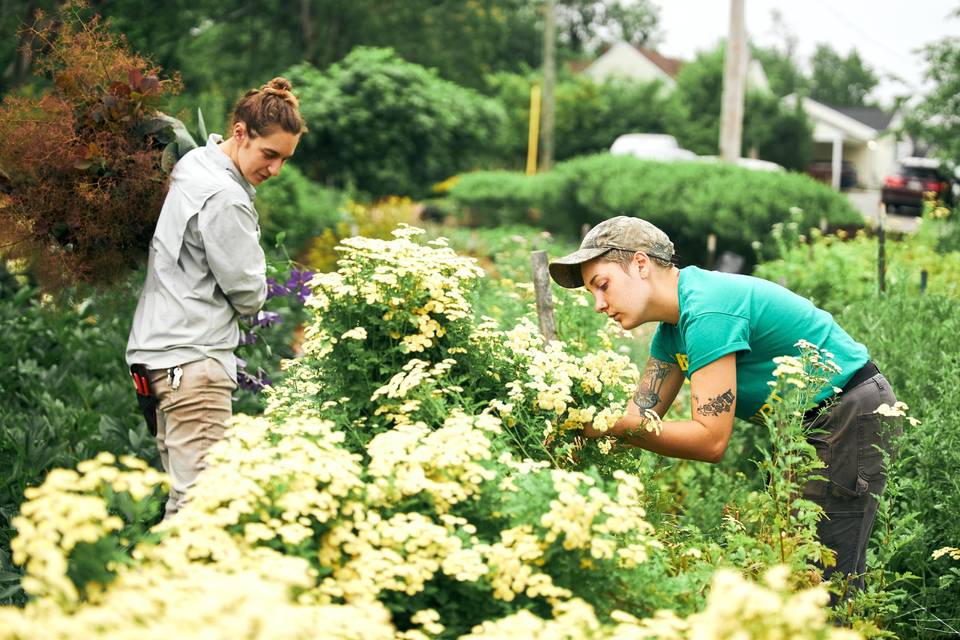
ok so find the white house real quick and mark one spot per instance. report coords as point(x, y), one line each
point(630, 62)
point(865, 136)
point(626, 61)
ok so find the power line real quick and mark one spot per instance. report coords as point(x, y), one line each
point(867, 36)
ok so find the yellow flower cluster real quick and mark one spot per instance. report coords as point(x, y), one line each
point(266, 481)
point(197, 601)
point(447, 463)
point(67, 509)
point(371, 554)
point(573, 619)
point(513, 562)
point(572, 388)
point(736, 609)
point(424, 285)
point(951, 552)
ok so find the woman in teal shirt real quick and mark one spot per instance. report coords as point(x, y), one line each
point(722, 331)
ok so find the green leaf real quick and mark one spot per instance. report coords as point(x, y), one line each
point(10, 591)
point(201, 126)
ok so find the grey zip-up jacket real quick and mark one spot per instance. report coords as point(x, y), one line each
point(205, 267)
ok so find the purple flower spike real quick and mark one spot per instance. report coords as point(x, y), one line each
point(267, 318)
point(299, 283)
point(247, 337)
point(275, 289)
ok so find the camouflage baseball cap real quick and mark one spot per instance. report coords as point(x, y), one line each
point(622, 232)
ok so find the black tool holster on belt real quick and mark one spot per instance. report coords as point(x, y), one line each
point(145, 396)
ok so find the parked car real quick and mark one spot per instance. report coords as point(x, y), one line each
point(903, 191)
point(650, 146)
point(823, 170)
point(754, 164)
point(664, 148)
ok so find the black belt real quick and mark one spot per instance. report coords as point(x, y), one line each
point(863, 374)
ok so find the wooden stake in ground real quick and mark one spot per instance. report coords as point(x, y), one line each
point(541, 285)
point(882, 250)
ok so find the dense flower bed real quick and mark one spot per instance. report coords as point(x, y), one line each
point(418, 473)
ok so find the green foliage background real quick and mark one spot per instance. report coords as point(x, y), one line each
point(687, 200)
point(388, 127)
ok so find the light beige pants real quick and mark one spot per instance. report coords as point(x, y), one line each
point(190, 419)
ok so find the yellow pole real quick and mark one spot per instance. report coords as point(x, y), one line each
point(534, 130)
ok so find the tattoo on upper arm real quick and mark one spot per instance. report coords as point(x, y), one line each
point(715, 406)
point(647, 395)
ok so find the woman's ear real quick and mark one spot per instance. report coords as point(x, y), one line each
point(239, 131)
point(641, 261)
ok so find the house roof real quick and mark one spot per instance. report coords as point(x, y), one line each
point(871, 116)
point(829, 122)
point(670, 66)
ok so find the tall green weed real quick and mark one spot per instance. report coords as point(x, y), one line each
point(912, 337)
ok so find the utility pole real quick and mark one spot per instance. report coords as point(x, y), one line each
point(549, 81)
point(734, 81)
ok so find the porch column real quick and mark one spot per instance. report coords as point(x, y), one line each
point(836, 161)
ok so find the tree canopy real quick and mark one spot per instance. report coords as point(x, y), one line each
point(936, 118)
point(840, 81)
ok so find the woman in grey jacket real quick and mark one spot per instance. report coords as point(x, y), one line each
point(205, 269)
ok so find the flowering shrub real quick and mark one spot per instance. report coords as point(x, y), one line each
point(416, 474)
point(285, 504)
point(394, 340)
point(85, 179)
point(66, 538)
point(736, 608)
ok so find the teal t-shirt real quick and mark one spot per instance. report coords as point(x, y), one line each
point(722, 313)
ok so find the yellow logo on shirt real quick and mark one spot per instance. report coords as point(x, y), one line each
point(766, 409)
point(682, 361)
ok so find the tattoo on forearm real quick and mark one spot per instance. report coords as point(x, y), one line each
point(718, 405)
point(647, 395)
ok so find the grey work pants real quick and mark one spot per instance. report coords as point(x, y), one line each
point(848, 439)
point(190, 419)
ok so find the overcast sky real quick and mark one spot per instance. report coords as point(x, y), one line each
point(886, 33)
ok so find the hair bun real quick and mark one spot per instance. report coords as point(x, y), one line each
point(281, 84)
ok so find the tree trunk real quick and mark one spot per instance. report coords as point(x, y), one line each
point(549, 80)
point(307, 32)
point(23, 61)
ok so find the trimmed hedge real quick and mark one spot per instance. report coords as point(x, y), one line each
point(688, 200)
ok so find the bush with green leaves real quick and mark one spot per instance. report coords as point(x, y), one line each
point(294, 209)
point(912, 338)
point(388, 127)
point(67, 394)
point(837, 271)
point(688, 200)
